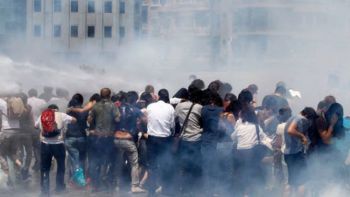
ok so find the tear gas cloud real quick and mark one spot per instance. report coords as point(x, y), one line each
point(303, 43)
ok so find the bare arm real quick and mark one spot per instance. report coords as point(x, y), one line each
point(86, 108)
point(292, 130)
point(326, 135)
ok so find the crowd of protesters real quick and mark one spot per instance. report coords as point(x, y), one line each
point(200, 142)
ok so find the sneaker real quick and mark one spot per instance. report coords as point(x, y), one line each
point(136, 189)
point(159, 190)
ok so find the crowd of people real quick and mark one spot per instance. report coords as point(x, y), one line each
point(203, 141)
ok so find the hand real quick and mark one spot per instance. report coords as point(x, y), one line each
point(304, 140)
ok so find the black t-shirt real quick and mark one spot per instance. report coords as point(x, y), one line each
point(77, 129)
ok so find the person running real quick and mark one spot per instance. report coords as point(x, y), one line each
point(76, 141)
point(52, 124)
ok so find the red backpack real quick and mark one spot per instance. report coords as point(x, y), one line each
point(49, 125)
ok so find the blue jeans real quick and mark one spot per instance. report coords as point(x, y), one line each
point(76, 147)
point(100, 153)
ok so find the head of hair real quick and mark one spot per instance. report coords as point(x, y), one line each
point(95, 97)
point(132, 97)
point(230, 97)
point(196, 96)
point(32, 92)
point(245, 97)
point(234, 107)
point(77, 100)
point(48, 89)
point(149, 89)
point(253, 88)
point(214, 86)
point(330, 99)
point(284, 114)
point(23, 97)
point(147, 98)
point(53, 106)
point(248, 115)
point(281, 90)
point(198, 83)
point(309, 113)
point(182, 94)
point(164, 95)
point(120, 96)
point(216, 99)
point(105, 93)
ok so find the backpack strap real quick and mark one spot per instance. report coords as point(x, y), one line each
point(186, 120)
point(257, 133)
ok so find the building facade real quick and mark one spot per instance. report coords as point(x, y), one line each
point(12, 22)
point(83, 25)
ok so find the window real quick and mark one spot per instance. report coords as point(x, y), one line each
point(122, 7)
point(37, 5)
point(37, 30)
point(91, 31)
point(121, 32)
point(57, 31)
point(74, 31)
point(108, 31)
point(57, 6)
point(91, 6)
point(108, 6)
point(74, 6)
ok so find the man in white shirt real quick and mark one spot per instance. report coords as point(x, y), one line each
point(161, 122)
point(53, 146)
point(37, 105)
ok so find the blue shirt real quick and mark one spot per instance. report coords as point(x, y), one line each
point(129, 116)
point(211, 118)
point(293, 144)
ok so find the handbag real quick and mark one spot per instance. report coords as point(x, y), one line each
point(260, 149)
point(177, 138)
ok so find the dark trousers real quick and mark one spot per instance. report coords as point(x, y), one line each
point(210, 167)
point(250, 171)
point(160, 162)
point(59, 153)
point(191, 167)
point(100, 156)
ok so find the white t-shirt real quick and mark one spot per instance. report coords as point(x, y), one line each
point(161, 119)
point(62, 120)
point(245, 135)
point(7, 124)
point(37, 105)
point(280, 131)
